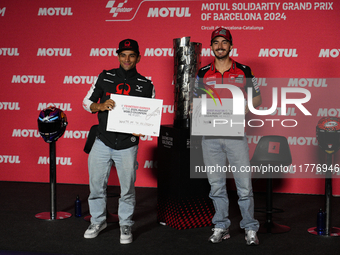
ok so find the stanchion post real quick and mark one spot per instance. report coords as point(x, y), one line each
point(328, 194)
point(53, 177)
point(329, 231)
point(53, 214)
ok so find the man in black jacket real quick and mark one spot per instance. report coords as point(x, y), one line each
point(114, 147)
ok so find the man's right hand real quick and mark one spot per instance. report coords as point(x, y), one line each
point(108, 105)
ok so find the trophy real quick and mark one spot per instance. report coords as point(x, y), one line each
point(187, 62)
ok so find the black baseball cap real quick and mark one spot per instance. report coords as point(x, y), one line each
point(128, 44)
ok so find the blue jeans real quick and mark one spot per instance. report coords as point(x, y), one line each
point(216, 152)
point(100, 161)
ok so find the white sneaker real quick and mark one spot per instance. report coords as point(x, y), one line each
point(251, 237)
point(125, 235)
point(219, 235)
point(94, 229)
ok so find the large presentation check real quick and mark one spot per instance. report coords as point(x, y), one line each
point(137, 115)
point(217, 119)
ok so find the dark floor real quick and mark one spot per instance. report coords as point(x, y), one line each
point(21, 233)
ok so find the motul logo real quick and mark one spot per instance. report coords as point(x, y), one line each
point(80, 79)
point(261, 81)
point(65, 11)
point(146, 138)
point(309, 82)
point(168, 108)
point(169, 12)
point(28, 79)
point(9, 159)
point(9, 106)
point(329, 112)
point(54, 52)
point(76, 134)
point(292, 140)
point(287, 53)
point(2, 11)
point(9, 52)
point(150, 164)
point(289, 111)
point(61, 106)
point(103, 52)
point(158, 52)
point(59, 161)
point(302, 140)
point(326, 53)
point(25, 133)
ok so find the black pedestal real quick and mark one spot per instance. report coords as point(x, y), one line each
point(182, 202)
point(269, 226)
point(329, 231)
point(53, 214)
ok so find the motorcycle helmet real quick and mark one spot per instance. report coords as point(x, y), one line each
point(52, 124)
point(328, 134)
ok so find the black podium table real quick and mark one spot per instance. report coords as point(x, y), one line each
point(182, 202)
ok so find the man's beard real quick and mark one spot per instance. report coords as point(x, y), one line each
point(223, 57)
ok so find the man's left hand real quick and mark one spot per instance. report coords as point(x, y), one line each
point(139, 135)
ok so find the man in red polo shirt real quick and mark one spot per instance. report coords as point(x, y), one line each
point(217, 149)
